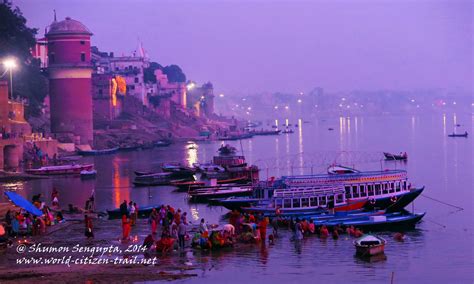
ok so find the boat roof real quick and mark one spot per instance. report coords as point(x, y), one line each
point(345, 176)
point(307, 191)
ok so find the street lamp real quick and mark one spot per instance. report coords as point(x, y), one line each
point(10, 64)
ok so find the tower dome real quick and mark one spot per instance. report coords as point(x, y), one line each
point(68, 26)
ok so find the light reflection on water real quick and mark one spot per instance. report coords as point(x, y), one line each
point(442, 164)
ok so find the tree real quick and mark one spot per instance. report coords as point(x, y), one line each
point(17, 40)
point(149, 73)
point(174, 73)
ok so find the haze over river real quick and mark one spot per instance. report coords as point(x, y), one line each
point(438, 251)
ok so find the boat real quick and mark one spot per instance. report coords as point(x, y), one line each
point(232, 137)
point(143, 212)
point(266, 132)
point(178, 170)
point(383, 189)
point(288, 131)
point(302, 201)
point(98, 152)
point(162, 143)
point(61, 170)
point(369, 245)
point(208, 168)
point(400, 157)
point(88, 173)
point(465, 134)
point(338, 169)
point(226, 149)
point(395, 221)
point(206, 194)
point(153, 179)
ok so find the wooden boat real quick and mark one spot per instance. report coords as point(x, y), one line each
point(98, 152)
point(383, 189)
point(88, 174)
point(266, 132)
point(220, 192)
point(178, 170)
point(162, 143)
point(189, 185)
point(61, 170)
point(465, 134)
point(153, 179)
point(338, 169)
point(143, 212)
point(401, 157)
point(396, 221)
point(369, 245)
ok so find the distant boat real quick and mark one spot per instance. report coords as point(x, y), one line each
point(330, 128)
point(458, 135)
point(266, 132)
point(98, 152)
point(60, 170)
point(288, 131)
point(220, 192)
point(162, 143)
point(400, 157)
point(369, 245)
point(226, 150)
point(88, 173)
point(153, 179)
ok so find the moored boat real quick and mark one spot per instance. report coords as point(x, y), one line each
point(98, 152)
point(220, 192)
point(369, 245)
point(61, 170)
point(338, 170)
point(400, 157)
point(143, 212)
point(153, 179)
point(266, 132)
point(88, 174)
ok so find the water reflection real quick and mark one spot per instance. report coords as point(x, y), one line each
point(192, 153)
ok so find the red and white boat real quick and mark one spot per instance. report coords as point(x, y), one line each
point(61, 170)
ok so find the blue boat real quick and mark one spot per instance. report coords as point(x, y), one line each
point(403, 220)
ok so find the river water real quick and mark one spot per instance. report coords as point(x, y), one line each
point(438, 251)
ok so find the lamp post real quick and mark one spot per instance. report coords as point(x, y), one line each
point(10, 64)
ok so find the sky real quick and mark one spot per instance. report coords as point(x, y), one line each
point(246, 47)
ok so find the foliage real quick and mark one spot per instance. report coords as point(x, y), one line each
point(174, 73)
point(16, 40)
point(149, 73)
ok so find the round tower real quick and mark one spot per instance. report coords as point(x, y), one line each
point(70, 83)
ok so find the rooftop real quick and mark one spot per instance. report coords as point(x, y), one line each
point(68, 26)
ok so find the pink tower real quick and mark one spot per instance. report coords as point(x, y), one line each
point(70, 83)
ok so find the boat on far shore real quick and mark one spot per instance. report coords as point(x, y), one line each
point(393, 157)
point(98, 152)
point(266, 132)
point(61, 170)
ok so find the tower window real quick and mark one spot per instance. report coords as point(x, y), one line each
point(136, 79)
point(83, 57)
point(83, 42)
point(51, 58)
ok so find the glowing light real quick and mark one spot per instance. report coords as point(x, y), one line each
point(444, 103)
point(412, 100)
point(417, 106)
point(9, 63)
point(287, 107)
point(301, 93)
point(244, 99)
point(202, 97)
point(249, 108)
point(340, 105)
point(315, 105)
point(221, 95)
point(454, 103)
point(276, 107)
point(190, 86)
point(300, 101)
point(248, 113)
point(343, 99)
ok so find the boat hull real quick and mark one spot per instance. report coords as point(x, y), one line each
point(395, 204)
point(366, 251)
point(61, 170)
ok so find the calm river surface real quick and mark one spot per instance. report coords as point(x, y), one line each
point(439, 251)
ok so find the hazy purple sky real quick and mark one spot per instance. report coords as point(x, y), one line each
point(254, 46)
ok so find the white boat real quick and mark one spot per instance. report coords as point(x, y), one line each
point(88, 173)
point(338, 169)
point(369, 245)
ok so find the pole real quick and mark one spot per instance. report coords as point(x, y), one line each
point(11, 84)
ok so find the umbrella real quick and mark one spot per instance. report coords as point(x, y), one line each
point(19, 201)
